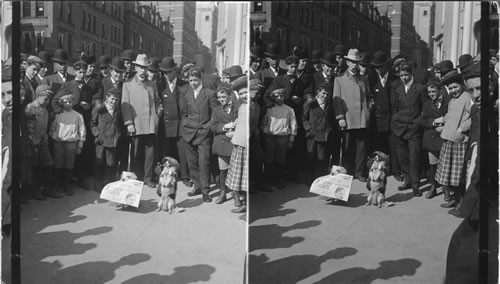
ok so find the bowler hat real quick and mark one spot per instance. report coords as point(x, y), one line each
point(235, 71)
point(80, 64)
point(128, 55)
point(353, 55)
point(464, 60)
point(60, 56)
point(167, 64)
point(118, 64)
point(329, 59)
point(292, 59)
point(90, 60)
point(366, 59)
point(445, 67)
point(241, 82)
point(44, 56)
point(104, 60)
point(316, 56)
point(472, 70)
point(299, 53)
point(452, 77)
point(340, 49)
point(142, 60)
point(115, 92)
point(257, 51)
point(272, 50)
point(155, 64)
point(379, 59)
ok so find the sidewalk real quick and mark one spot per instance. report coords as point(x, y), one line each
point(82, 239)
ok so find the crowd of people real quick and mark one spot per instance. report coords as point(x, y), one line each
point(125, 114)
point(338, 107)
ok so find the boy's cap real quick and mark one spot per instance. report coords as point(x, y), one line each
point(115, 92)
point(66, 96)
point(278, 91)
point(43, 90)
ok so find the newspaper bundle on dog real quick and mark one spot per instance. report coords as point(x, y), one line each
point(337, 186)
point(125, 191)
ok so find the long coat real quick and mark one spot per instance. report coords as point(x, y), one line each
point(222, 145)
point(382, 105)
point(318, 122)
point(196, 115)
point(140, 106)
point(351, 97)
point(106, 128)
point(432, 139)
point(171, 108)
point(407, 108)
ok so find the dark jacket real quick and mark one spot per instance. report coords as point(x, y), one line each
point(210, 81)
point(196, 115)
point(432, 139)
point(222, 145)
point(79, 95)
point(406, 110)
point(171, 108)
point(95, 84)
point(55, 81)
point(106, 128)
point(382, 105)
point(266, 76)
point(318, 123)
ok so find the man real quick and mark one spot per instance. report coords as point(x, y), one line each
point(196, 110)
point(463, 61)
point(46, 68)
point(56, 80)
point(33, 66)
point(382, 137)
point(340, 52)
point(128, 57)
point(141, 107)
point(172, 144)
point(327, 74)
point(154, 70)
point(351, 102)
point(302, 74)
point(92, 79)
point(104, 61)
point(266, 76)
point(256, 55)
point(316, 56)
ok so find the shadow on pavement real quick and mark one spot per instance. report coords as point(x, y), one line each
point(400, 197)
point(355, 200)
point(181, 275)
point(387, 270)
point(190, 203)
point(286, 270)
point(97, 271)
point(271, 236)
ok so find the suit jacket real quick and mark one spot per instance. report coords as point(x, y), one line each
point(95, 84)
point(106, 128)
point(55, 81)
point(140, 106)
point(107, 85)
point(318, 123)
point(210, 81)
point(266, 76)
point(38, 80)
point(382, 104)
point(29, 88)
point(171, 108)
point(319, 79)
point(351, 98)
point(222, 145)
point(432, 139)
point(79, 95)
point(407, 110)
point(196, 115)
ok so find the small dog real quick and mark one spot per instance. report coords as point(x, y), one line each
point(377, 179)
point(167, 185)
point(337, 170)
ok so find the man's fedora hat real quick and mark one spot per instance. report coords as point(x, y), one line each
point(167, 64)
point(128, 55)
point(472, 70)
point(329, 59)
point(155, 64)
point(452, 77)
point(445, 67)
point(464, 60)
point(379, 59)
point(241, 82)
point(272, 50)
point(234, 72)
point(104, 61)
point(118, 64)
point(142, 60)
point(60, 56)
point(353, 55)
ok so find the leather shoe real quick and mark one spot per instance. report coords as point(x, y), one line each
point(416, 192)
point(398, 177)
point(187, 182)
point(207, 198)
point(450, 204)
point(404, 186)
point(241, 209)
point(151, 184)
point(363, 179)
point(431, 193)
point(194, 192)
point(456, 212)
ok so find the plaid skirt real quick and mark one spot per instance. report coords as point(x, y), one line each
point(237, 178)
point(451, 163)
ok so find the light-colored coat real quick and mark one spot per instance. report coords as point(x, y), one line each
point(140, 106)
point(351, 99)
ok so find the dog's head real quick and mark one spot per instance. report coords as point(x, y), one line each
point(166, 162)
point(338, 170)
point(128, 175)
point(378, 156)
point(168, 177)
point(377, 171)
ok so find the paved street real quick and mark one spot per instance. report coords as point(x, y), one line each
point(296, 237)
point(82, 239)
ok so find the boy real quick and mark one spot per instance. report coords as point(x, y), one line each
point(68, 132)
point(280, 128)
point(38, 119)
point(106, 124)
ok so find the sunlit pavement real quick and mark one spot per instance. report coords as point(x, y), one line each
point(297, 237)
point(83, 239)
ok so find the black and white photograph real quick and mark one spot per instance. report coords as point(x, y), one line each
point(133, 161)
point(387, 93)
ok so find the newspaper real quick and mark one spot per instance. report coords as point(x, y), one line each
point(125, 192)
point(335, 186)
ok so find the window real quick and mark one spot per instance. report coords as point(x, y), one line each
point(94, 26)
point(69, 13)
point(39, 9)
point(119, 12)
point(60, 41)
point(26, 8)
point(39, 41)
point(103, 50)
point(207, 18)
point(425, 12)
point(104, 6)
point(61, 8)
point(93, 47)
point(70, 40)
point(27, 42)
point(103, 30)
point(83, 20)
point(258, 6)
point(83, 47)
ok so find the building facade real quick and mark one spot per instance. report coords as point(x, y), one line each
point(232, 36)
point(206, 25)
point(424, 13)
point(5, 20)
point(454, 35)
point(320, 25)
point(182, 15)
point(146, 31)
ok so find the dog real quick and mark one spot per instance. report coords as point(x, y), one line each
point(377, 179)
point(337, 170)
point(167, 185)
